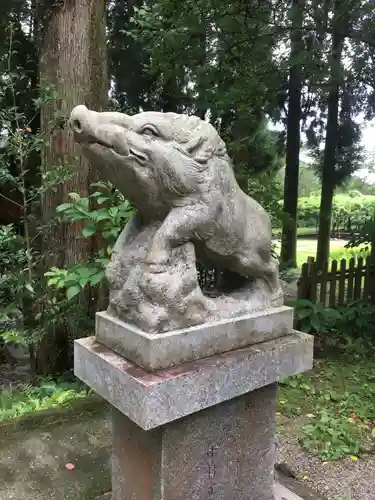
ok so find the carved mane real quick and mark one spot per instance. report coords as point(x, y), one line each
point(200, 144)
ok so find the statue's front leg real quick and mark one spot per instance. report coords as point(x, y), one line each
point(180, 226)
point(130, 231)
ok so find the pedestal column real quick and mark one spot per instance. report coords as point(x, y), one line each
point(223, 452)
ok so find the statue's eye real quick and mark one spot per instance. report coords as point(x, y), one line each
point(151, 131)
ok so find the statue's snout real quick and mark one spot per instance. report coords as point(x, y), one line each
point(81, 122)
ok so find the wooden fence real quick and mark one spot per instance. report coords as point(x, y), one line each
point(338, 284)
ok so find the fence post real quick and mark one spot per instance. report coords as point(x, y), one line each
point(351, 275)
point(342, 279)
point(310, 264)
point(303, 282)
point(358, 279)
point(332, 284)
point(323, 284)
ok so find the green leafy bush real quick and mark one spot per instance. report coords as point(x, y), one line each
point(355, 320)
point(348, 253)
point(104, 213)
point(18, 286)
point(314, 318)
point(107, 220)
point(348, 212)
point(364, 237)
point(25, 304)
point(12, 262)
point(48, 394)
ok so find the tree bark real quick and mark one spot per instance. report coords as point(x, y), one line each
point(289, 234)
point(330, 148)
point(73, 63)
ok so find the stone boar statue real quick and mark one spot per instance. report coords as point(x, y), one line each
point(175, 169)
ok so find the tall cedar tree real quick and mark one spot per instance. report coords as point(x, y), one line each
point(73, 61)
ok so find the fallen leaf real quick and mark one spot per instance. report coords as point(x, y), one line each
point(310, 415)
point(69, 466)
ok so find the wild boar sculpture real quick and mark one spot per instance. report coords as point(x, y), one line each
point(176, 171)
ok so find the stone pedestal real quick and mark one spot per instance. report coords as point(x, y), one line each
point(202, 429)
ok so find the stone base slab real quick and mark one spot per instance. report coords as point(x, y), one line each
point(164, 350)
point(151, 399)
point(280, 492)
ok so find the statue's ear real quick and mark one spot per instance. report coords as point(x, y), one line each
point(194, 144)
point(199, 149)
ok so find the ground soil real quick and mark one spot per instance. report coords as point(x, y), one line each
point(32, 461)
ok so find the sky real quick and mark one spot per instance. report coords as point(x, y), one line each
point(368, 141)
point(368, 136)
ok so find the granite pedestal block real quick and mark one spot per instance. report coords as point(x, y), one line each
point(224, 452)
point(151, 399)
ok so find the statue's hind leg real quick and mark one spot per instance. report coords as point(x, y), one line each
point(256, 268)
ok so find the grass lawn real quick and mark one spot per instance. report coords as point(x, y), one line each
point(334, 406)
point(300, 230)
point(307, 248)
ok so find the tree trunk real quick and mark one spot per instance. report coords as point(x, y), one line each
point(325, 220)
point(330, 149)
point(289, 234)
point(73, 62)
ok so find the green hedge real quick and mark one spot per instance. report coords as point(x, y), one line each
point(350, 211)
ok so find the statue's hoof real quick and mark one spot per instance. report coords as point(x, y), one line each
point(278, 298)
